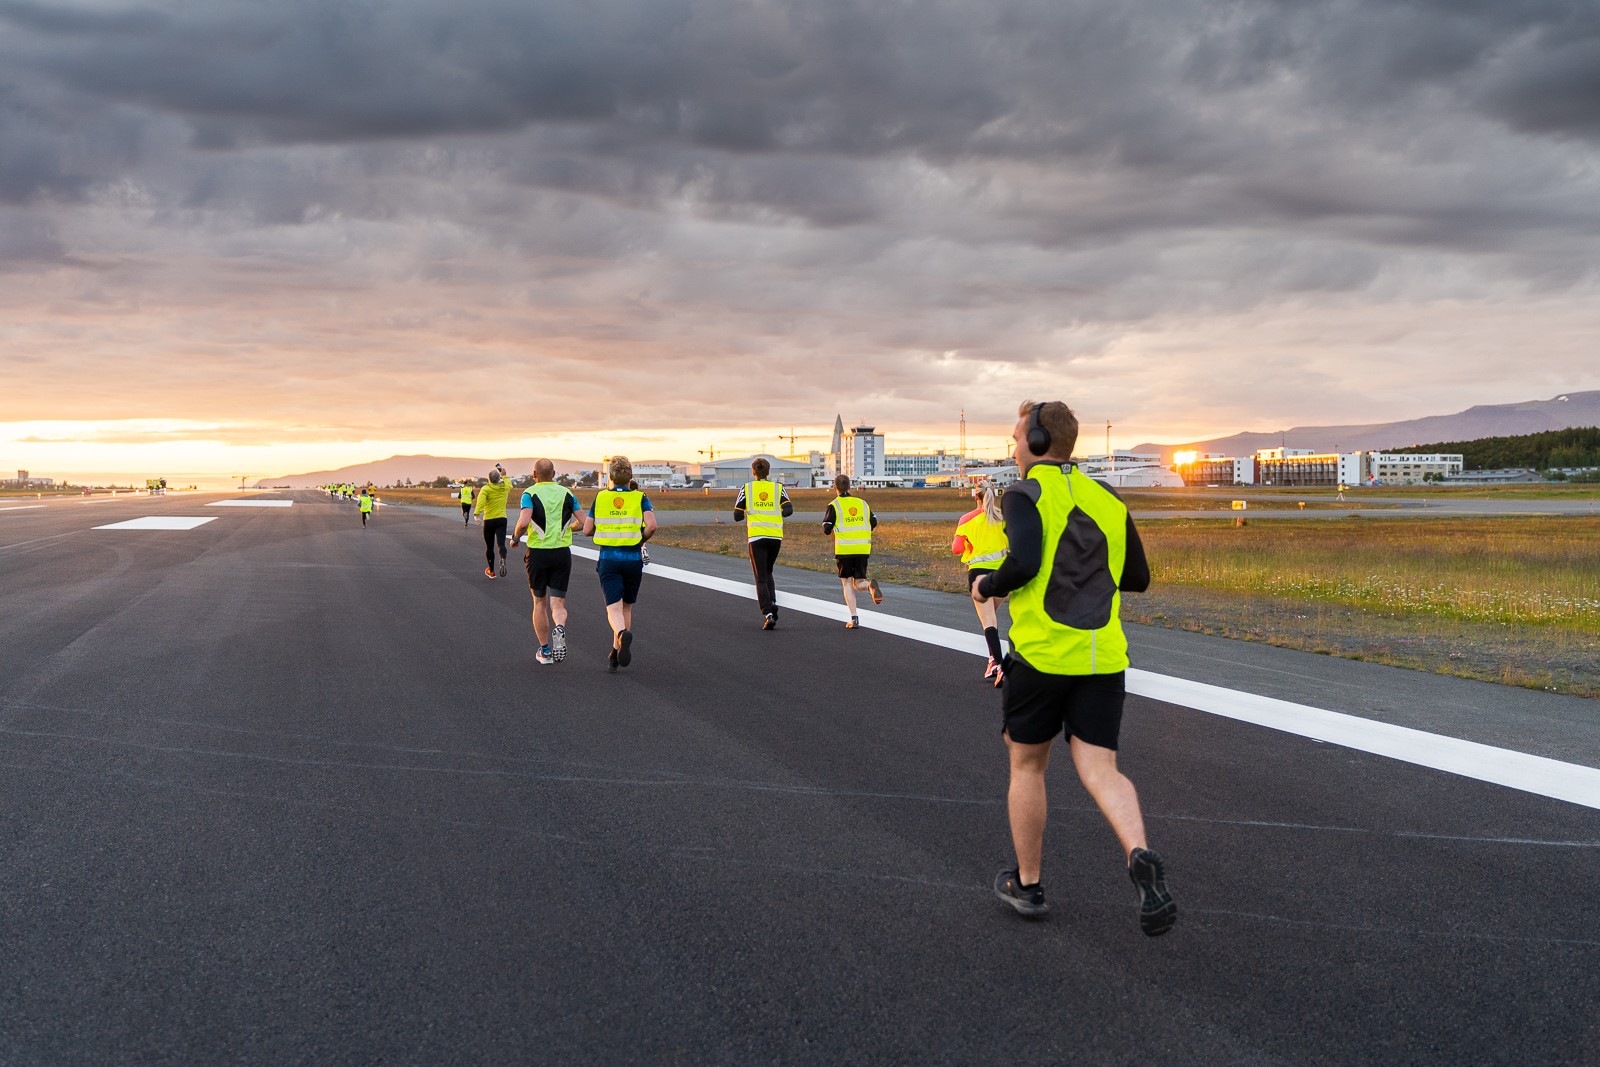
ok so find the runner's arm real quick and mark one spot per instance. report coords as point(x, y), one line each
point(828, 519)
point(1135, 567)
point(738, 506)
point(524, 520)
point(786, 505)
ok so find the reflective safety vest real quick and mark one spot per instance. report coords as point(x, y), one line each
point(618, 517)
point(366, 502)
point(852, 526)
point(466, 494)
point(1066, 619)
point(763, 509)
point(557, 534)
point(986, 543)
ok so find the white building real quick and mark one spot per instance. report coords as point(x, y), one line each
point(1130, 470)
point(918, 464)
point(861, 454)
point(734, 471)
point(1400, 468)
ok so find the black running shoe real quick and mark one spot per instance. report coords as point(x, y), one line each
point(502, 566)
point(769, 621)
point(611, 661)
point(624, 641)
point(1157, 911)
point(1027, 901)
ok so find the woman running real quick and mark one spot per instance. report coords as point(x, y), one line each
point(981, 543)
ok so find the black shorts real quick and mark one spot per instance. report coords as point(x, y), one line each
point(549, 571)
point(973, 574)
point(620, 579)
point(1038, 705)
point(852, 566)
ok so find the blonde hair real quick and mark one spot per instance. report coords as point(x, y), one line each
point(991, 506)
point(621, 470)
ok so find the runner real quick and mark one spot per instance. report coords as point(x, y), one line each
point(1073, 549)
point(549, 514)
point(366, 506)
point(851, 523)
point(765, 504)
point(466, 503)
point(491, 505)
point(981, 543)
point(644, 550)
point(621, 521)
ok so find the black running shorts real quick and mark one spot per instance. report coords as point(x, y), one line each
point(1039, 705)
point(549, 571)
point(852, 566)
point(973, 574)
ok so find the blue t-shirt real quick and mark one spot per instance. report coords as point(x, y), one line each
point(625, 552)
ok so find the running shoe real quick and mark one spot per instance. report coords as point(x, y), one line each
point(502, 566)
point(644, 556)
point(877, 594)
point(1157, 911)
point(624, 644)
point(853, 624)
point(994, 673)
point(1027, 900)
point(611, 661)
point(543, 657)
point(558, 643)
point(768, 621)
point(488, 572)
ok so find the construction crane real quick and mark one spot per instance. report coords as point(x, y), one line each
point(792, 437)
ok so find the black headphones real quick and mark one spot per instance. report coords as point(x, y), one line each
point(1038, 437)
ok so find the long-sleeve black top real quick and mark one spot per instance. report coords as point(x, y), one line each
point(1025, 547)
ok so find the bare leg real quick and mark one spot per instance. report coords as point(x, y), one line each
point(849, 595)
point(558, 610)
point(541, 621)
point(1118, 801)
point(627, 616)
point(616, 617)
point(1026, 804)
point(986, 613)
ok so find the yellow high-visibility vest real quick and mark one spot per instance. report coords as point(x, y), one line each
point(366, 502)
point(466, 494)
point(618, 518)
point(852, 526)
point(986, 543)
point(763, 509)
point(1066, 619)
point(557, 534)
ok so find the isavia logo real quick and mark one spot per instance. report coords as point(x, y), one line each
point(763, 496)
point(617, 502)
point(854, 511)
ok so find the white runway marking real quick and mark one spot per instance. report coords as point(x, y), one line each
point(159, 522)
point(1538, 775)
point(251, 504)
point(22, 507)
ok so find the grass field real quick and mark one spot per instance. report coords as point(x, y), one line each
point(1513, 600)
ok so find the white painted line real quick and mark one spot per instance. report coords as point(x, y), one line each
point(160, 522)
point(251, 504)
point(1538, 775)
point(22, 507)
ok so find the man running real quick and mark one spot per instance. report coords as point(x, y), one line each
point(366, 506)
point(763, 505)
point(1073, 549)
point(491, 505)
point(851, 523)
point(466, 503)
point(621, 521)
point(549, 514)
point(980, 541)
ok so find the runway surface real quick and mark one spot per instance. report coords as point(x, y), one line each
point(281, 789)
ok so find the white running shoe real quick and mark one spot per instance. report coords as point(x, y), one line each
point(558, 643)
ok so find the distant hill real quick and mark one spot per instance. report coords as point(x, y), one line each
point(1541, 451)
point(419, 469)
point(1564, 412)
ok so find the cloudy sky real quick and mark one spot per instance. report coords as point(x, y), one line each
point(309, 232)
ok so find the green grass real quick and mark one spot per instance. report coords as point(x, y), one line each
point(1514, 599)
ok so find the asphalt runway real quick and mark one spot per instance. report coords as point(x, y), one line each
point(278, 789)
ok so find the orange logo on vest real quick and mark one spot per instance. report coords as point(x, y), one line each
point(617, 502)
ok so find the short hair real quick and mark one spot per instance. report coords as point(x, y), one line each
point(633, 483)
point(621, 470)
point(1059, 422)
point(494, 476)
point(760, 467)
point(544, 470)
point(842, 483)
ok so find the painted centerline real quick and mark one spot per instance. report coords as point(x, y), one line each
point(251, 504)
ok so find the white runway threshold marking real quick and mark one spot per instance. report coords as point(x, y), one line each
point(22, 507)
point(160, 522)
point(1538, 775)
point(251, 504)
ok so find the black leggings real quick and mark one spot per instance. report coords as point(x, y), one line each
point(494, 536)
point(763, 556)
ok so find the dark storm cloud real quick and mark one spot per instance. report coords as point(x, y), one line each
point(885, 194)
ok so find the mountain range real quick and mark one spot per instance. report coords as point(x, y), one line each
point(1563, 412)
point(423, 468)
